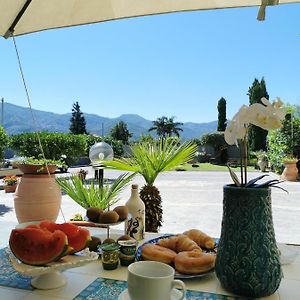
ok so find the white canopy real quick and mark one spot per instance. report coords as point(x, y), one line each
point(25, 16)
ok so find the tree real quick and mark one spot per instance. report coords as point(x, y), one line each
point(222, 114)
point(150, 159)
point(173, 127)
point(257, 136)
point(120, 132)
point(145, 138)
point(165, 127)
point(77, 120)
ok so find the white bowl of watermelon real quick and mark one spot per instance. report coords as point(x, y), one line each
point(43, 248)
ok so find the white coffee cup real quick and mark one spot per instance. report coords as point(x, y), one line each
point(149, 280)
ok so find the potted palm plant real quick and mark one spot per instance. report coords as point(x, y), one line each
point(94, 195)
point(149, 159)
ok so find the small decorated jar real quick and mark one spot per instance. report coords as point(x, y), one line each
point(127, 252)
point(110, 256)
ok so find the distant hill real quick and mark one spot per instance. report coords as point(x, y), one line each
point(18, 119)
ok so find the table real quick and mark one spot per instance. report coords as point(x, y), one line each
point(81, 277)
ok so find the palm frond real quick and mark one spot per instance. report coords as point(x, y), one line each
point(94, 195)
point(149, 159)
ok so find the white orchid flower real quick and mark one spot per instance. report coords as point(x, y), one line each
point(265, 101)
point(267, 117)
point(237, 128)
point(277, 103)
point(276, 108)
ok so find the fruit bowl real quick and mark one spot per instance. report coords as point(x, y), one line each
point(98, 225)
point(87, 223)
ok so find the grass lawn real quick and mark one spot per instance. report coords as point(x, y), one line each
point(209, 167)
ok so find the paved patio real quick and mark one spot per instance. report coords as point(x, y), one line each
point(190, 200)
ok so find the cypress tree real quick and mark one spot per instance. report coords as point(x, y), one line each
point(120, 132)
point(257, 136)
point(77, 120)
point(222, 114)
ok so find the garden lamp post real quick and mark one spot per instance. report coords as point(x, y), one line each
point(98, 153)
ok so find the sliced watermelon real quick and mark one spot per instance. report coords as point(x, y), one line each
point(79, 241)
point(35, 246)
point(51, 226)
point(78, 237)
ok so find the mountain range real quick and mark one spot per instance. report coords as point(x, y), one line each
point(18, 119)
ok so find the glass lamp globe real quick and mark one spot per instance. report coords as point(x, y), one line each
point(99, 152)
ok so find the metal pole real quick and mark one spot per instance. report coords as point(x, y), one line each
point(101, 177)
point(2, 112)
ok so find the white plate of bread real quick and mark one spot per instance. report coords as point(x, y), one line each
point(192, 253)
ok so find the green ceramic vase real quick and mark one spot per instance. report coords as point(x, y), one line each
point(247, 262)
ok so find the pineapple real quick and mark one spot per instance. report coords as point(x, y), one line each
point(151, 197)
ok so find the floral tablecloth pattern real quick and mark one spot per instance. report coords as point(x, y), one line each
point(109, 289)
point(11, 278)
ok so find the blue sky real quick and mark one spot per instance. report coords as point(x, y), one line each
point(177, 64)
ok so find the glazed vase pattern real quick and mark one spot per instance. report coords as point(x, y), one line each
point(38, 197)
point(247, 262)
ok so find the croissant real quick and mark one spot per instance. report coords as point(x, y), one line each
point(179, 243)
point(169, 243)
point(201, 238)
point(184, 243)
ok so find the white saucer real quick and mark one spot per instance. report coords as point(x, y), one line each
point(175, 294)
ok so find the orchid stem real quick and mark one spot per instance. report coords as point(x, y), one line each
point(241, 162)
point(245, 158)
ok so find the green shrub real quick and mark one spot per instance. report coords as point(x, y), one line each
point(54, 145)
point(57, 144)
point(277, 149)
point(215, 139)
point(3, 141)
point(283, 142)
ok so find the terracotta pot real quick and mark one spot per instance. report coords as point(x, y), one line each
point(290, 171)
point(38, 197)
point(10, 188)
point(36, 169)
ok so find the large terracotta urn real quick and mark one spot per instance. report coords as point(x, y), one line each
point(290, 171)
point(38, 197)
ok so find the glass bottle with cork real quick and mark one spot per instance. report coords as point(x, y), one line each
point(135, 224)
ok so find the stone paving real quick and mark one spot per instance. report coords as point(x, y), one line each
point(189, 199)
